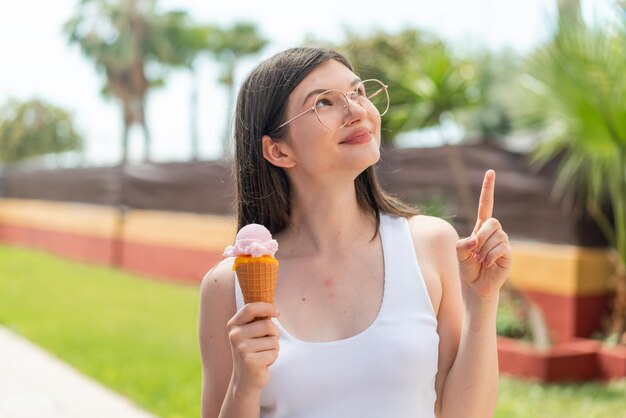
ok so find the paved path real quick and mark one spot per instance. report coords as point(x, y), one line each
point(34, 384)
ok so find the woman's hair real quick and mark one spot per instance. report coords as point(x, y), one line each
point(263, 190)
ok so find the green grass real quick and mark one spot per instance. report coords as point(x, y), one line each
point(590, 400)
point(135, 335)
point(138, 336)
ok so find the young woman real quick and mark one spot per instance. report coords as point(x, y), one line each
point(383, 312)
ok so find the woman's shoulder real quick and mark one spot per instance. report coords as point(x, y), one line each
point(432, 230)
point(219, 283)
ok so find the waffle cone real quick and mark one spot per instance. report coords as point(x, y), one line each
point(257, 281)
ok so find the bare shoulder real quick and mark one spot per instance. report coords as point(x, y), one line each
point(217, 293)
point(432, 230)
point(219, 279)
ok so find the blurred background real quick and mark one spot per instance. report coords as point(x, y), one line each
point(116, 193)
point(44, 57)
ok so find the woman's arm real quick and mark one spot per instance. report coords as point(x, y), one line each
point(236, 349)
point(470, 273)
point(467, 380)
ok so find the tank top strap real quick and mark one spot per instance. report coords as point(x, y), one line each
point(404, 282)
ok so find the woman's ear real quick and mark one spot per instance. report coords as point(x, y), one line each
point(277, 153)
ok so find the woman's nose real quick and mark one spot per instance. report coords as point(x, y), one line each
point(356, 109)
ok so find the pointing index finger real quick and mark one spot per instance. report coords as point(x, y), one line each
point(485, 204)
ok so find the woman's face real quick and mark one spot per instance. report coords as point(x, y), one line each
point(326, 152)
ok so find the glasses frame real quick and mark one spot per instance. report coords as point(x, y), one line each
point(352, 95)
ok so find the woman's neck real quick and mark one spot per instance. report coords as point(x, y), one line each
point(326, 221)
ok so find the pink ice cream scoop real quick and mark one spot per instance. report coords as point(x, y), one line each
point(254, 240)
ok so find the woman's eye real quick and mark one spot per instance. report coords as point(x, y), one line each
point(321, 102)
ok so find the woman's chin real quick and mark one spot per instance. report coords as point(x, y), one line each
point(375, 155)
point(368, 160)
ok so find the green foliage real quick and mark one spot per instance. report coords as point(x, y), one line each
point(175, 40)
point(137, 336)
point(434, 205)
point(578, 84)
point(519, 399)
point(498, 78)
point(425, 79)
point(512, 320)
point(33, 128)
point(229, 44)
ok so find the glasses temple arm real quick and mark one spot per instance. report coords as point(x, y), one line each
point(295, 117)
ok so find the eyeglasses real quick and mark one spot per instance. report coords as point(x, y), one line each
point(332, 107)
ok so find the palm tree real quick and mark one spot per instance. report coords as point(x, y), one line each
point(578, 81)
point(228, 46)
point(123, 38)
point(179, 42)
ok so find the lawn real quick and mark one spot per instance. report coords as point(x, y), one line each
point(519, 399)
point(138, 336)
point(135, 335)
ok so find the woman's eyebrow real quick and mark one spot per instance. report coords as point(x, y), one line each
point(318, 91)
point(313, 93)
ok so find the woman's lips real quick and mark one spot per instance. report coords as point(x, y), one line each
point(360, 136)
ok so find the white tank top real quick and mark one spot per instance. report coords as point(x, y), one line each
point(387, 370)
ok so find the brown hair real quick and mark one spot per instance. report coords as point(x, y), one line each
point(263, 190)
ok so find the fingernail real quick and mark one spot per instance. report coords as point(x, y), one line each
point(477, 257)
point(472, 242)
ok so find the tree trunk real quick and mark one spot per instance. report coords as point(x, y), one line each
point(230, 100)
point(147, 143)
point(193, 115)
point(147, 140)
point(617, 320)
point(125, 129)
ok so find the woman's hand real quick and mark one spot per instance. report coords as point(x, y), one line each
point(254, 346)
point(485, 257)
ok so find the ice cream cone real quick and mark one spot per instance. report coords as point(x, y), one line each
point(257, 280)
point(255, 264)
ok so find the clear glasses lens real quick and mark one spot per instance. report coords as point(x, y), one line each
point(333, 109)
point(377, 95)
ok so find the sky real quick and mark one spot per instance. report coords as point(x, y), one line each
point(37, 62)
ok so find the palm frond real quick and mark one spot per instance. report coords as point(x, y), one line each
point(577, 90)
